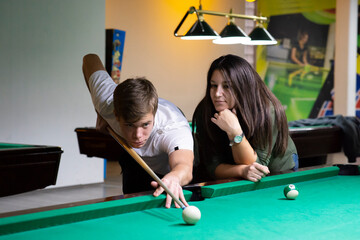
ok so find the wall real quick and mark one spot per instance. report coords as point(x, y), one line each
point(177, 67)
point(43, 96)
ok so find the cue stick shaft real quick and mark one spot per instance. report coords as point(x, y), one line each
point(142, 163)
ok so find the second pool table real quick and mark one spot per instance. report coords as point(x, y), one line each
point(27, 167)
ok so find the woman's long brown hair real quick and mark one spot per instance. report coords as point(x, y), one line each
point(253, 105)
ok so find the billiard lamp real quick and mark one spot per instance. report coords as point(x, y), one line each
point(231, 34)
point(261, 36)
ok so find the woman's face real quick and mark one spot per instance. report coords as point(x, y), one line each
point(304, 38)
point(220, 92)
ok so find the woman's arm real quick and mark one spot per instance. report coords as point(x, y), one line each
point(253, 172)
point(294, 58)
point(305, 57)
point(227, 121)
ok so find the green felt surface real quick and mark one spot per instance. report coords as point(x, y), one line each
point(12, 145)
point(326, 208)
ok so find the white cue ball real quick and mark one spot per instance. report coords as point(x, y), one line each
point(191, 215)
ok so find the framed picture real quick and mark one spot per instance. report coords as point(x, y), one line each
point(115, 40)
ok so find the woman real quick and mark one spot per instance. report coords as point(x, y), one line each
point(299, 51)
point(241, 127)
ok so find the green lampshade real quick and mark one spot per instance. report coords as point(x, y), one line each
point(232, 34)
point(260, 36)
point(197, 32)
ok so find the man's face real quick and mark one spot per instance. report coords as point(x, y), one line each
point(137, 133)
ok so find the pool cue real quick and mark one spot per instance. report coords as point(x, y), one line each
point(142, 163)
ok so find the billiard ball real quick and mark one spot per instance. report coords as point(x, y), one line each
point(191, 215)
point(291, 192)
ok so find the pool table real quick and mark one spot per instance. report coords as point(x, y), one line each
point(25, 167)
point(328, 207)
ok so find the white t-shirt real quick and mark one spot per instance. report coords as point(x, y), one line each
point(171, 129)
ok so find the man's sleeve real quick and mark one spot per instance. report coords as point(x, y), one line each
point(101, 89)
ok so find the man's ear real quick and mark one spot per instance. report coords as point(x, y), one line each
point(117, 118)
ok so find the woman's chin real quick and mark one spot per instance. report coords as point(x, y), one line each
point(220, 108)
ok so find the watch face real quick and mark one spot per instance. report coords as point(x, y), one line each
point(238, 139)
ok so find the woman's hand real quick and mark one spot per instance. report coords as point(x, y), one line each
point(227, 121)
point(255, 172)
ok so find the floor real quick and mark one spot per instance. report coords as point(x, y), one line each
point(112, 186)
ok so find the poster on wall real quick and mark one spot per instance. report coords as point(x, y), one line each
point(325, 101)
point(304, 86)
point(298, 66)
point(323, 105)
point(357, 101)
point(115, 40)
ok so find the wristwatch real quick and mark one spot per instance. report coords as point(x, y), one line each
point(237, 139)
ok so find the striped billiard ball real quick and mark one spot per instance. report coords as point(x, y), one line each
point(291, 192)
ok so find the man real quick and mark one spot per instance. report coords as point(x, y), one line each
point(154, 127)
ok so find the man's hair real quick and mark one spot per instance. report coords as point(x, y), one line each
point(134, 98)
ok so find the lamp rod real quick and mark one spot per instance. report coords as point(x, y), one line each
point(235, 15)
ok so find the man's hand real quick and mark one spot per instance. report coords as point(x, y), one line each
point(181, 165)
point(172, 183)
